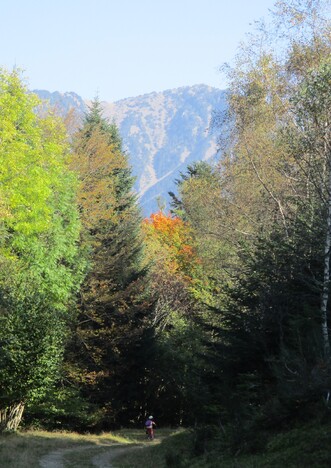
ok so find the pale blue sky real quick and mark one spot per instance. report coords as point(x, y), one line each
point(122, 48)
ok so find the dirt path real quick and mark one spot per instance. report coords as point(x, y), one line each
point(103, 460)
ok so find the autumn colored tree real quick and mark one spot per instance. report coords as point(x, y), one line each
point(170, 248)
point(175, 364)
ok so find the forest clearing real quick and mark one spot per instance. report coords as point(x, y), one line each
point(305, 446)
point(213, 316)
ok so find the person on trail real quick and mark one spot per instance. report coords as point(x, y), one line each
point(149, 425)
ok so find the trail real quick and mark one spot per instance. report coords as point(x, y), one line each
point(55, 459)
point(104, 459)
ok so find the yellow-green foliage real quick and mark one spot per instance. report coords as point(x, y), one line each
point(39, 226)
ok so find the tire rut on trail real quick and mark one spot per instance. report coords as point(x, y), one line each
point(103, 460)
point(55, 458)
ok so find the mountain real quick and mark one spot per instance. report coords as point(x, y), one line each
point(162, 132)
point(62, 102)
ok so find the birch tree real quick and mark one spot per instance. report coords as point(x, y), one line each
point(312, 109)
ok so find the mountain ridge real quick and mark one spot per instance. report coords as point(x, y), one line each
point(162, 133)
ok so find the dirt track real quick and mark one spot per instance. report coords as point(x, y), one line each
point(55, 459)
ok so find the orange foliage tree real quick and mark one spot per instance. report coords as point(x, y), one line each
point(176, 282)
point(170, 238)
point(174, 266)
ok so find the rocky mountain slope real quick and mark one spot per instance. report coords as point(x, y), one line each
point(162, 133)
point(63, 102)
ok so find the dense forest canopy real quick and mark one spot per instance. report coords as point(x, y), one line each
point(217, 313)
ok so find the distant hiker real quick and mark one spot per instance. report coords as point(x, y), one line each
point(149, 425)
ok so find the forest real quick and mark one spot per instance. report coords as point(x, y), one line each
point(214, 315)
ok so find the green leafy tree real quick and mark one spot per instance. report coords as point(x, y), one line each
point(38, 249)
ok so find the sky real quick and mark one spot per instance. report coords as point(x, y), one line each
point(124, 48)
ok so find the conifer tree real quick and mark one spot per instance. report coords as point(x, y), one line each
point(273, 357)
point(110, 316)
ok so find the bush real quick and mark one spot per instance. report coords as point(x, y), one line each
point(173, 459)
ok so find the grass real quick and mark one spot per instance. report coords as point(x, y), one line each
point(25, 449)
point(168, 449)
point(305, 446)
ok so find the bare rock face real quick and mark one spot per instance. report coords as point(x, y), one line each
point(162, 133)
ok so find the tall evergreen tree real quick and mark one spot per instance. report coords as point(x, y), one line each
point(272, 355)
point(110, 312)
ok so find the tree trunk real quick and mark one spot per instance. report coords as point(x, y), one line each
point(11, 417)
point(326, 277)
